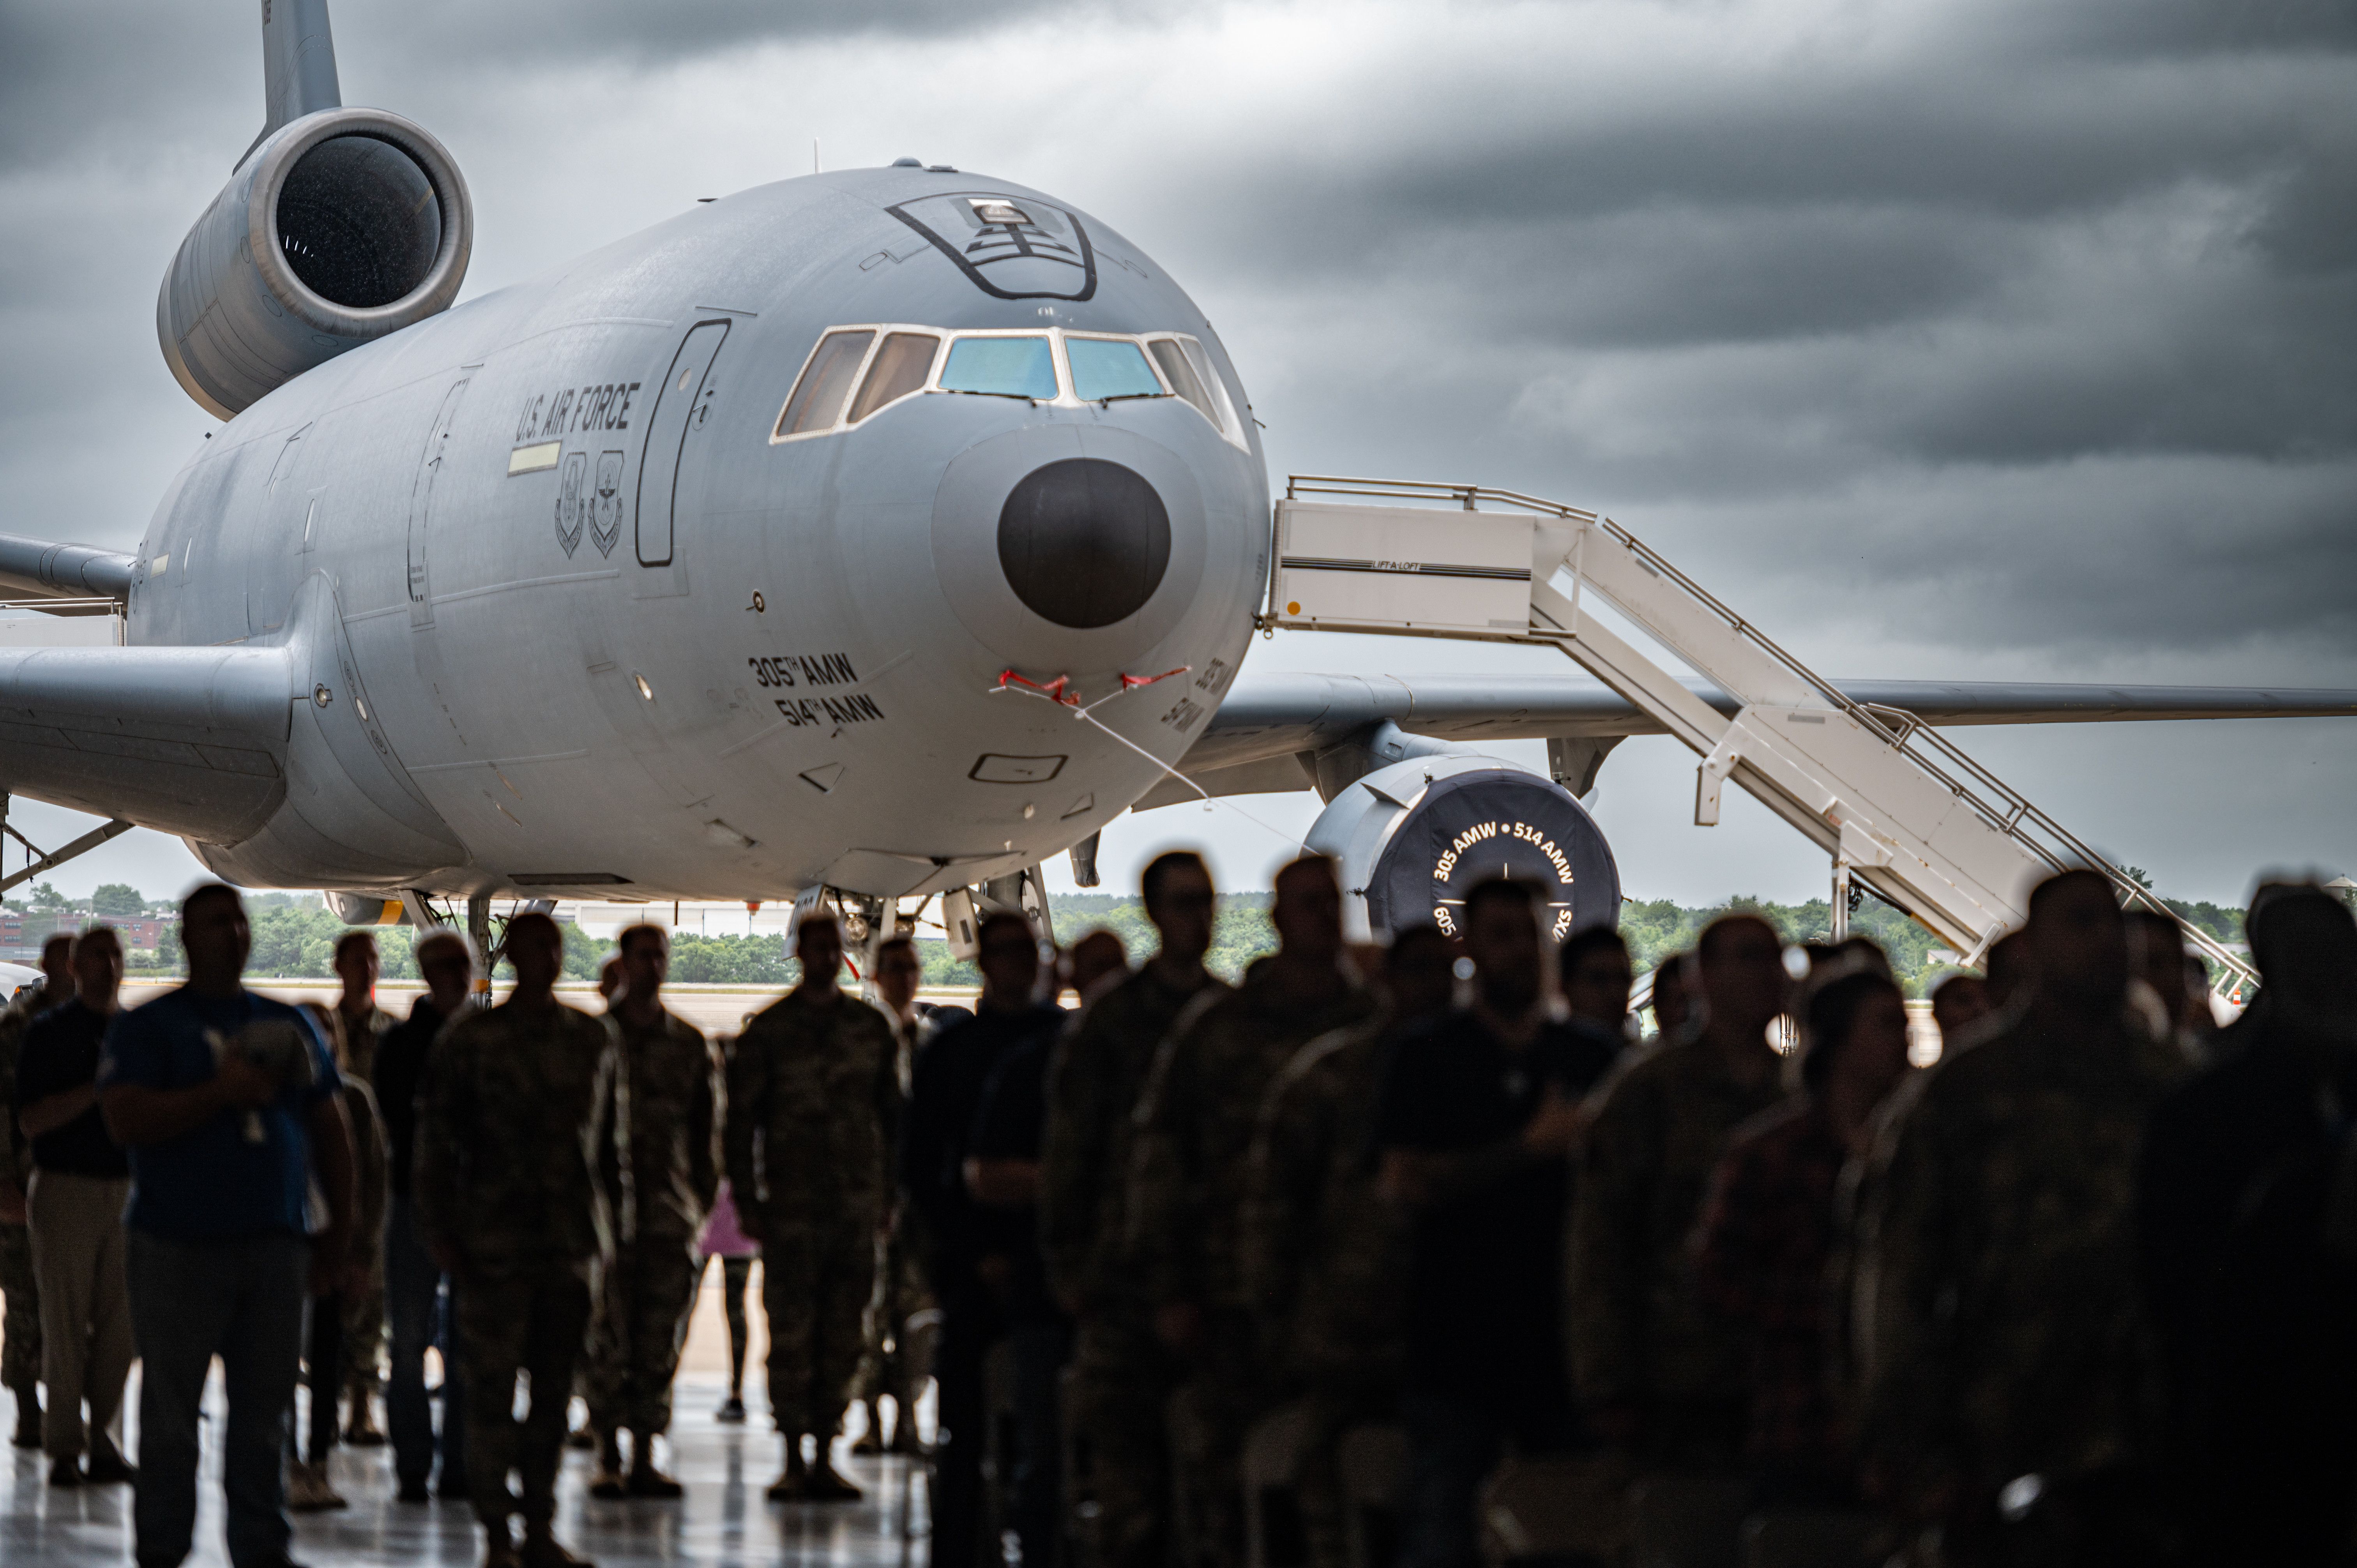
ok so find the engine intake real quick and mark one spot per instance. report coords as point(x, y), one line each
point(1410, 840)
point(338, 228)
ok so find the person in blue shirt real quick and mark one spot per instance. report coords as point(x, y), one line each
point(229, 1105)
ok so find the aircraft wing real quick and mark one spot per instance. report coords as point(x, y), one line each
point(188, 740)
point(1269, 725)
point(79, 576)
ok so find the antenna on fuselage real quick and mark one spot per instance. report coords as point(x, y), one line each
point(813, 155)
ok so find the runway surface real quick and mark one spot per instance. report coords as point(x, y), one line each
point(723, 1522)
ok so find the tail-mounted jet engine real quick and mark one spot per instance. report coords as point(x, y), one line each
point(1410, 840)
point(337, 227)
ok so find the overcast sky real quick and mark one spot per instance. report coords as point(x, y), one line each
point(1969, 338)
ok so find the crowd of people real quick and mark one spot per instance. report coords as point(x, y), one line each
point(2078, 1293)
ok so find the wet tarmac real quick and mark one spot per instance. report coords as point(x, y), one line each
point(724, 1520)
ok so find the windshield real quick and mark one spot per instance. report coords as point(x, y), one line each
point(857, 372)
point(826, 383)
point(1183, 381)
point(1002, 367)
point(901, 366)
point(1106, 368)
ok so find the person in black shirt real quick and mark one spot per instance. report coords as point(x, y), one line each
point(1477, 1123)
point(413, 1283)
point(2248, 1287)
point(952, 1070)
point(80, 1183)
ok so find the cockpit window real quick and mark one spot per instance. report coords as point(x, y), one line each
point(817, 400)
point(1105, 368)
point(1181, 376)
point(857, 372)
point(1001, 366)
point(902, 365)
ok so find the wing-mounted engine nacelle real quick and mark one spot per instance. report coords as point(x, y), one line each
point(1412, 839)
point(337, 229)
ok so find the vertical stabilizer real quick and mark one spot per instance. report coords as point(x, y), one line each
point(298, 61)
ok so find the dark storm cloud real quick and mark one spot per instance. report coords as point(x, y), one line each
point(68, 71)
point(2099, 262)
point(1787, 280)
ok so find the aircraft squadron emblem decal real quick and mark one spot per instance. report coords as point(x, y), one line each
point(606, 508)
point(571, 506)
point(1010, 247)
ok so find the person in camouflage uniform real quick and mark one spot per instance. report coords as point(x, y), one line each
point(364, 1024)
point(1660, 1375)
point(20, 1336)
point(674, 1077)
point(813, 1105)
point(1323, 1251)
point(2003, 1331)
point(1121, 1374)
point(1193, 1141)
point(521, 1108)
point(897, 1355)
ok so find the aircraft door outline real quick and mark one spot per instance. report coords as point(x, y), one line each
point(421, 503)
point(682, 406)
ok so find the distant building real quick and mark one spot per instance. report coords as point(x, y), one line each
point(22, 935)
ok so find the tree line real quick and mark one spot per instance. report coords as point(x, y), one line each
point(294, 936)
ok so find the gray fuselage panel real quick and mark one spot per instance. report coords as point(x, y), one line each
point(788, 676)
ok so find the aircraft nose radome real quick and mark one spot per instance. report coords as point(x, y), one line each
point(1084, 542)
point(1072, 549)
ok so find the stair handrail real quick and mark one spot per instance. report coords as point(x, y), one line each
point(1901, 727)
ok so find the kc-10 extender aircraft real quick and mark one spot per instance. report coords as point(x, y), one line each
point(720, 562)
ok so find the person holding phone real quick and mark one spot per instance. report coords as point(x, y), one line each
point(228, 1103)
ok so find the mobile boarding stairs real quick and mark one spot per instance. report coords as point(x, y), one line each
point(1897, 806)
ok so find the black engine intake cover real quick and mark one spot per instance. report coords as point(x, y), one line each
point(1413, 847)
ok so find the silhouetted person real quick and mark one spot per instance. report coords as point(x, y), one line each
point(1001, 1176)
point(1196, 1123)
point(1121, 1375)
point(1673, 995)
point(2253, 1287)
point(1769, 1235)
point(2201, 1017)
point(1325, 1250)
point(724, 1240)
point(20, 1359)
point(1479, 1117)
point(647, 1293)
point(80, 1182)
point(2010, 966)
point(1848, 956)
point(414, 1284)
point(891, 1364)
point(326, 1353)
point(1959, 1002)
point(813, 1105)
point(1592, 966)
point(521, 1105)
point(228, 1103)
point(952, 1072)
point(1094, 960)
point(2156, 957)
point(2006, 1338)
point(365, 1025)
point(1662, 1376)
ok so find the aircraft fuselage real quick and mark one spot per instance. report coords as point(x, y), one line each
point(595, 619)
